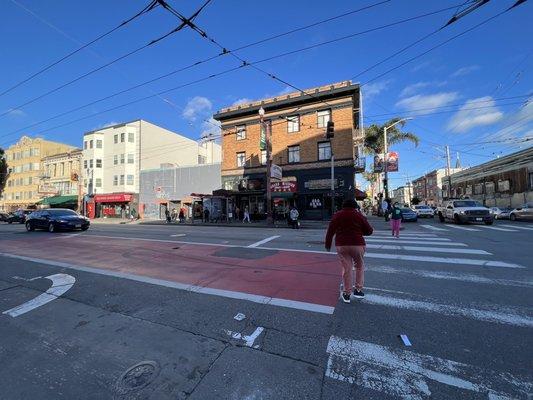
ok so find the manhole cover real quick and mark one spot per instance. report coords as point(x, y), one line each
point(316, 242)
point(138, 377)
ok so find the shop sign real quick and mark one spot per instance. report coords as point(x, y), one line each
point(317, 184)
point(276, 172)
point(113, 198)
point(284, 186)
point(47, 189)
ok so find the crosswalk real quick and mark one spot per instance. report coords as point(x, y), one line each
point(418, 372)
point(478, 228)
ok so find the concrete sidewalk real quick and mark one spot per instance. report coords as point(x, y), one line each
point(256, 224)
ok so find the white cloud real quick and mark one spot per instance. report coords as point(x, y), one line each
point(427, 101)
point(197, 107)
point(244, 100)
point(373, 89)
point(465, 70)
point(469, 117)
point(516, 125)
point(15, 112)
point(210, 127)
point(421, 65)
point(409, 90)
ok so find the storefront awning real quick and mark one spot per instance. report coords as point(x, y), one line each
point(59, 200)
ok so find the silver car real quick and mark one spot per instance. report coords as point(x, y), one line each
point(522, 213)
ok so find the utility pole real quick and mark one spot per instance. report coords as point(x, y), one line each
point(266, 127)
point(448, 171)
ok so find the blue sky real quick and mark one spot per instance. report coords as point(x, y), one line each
point(476, 70)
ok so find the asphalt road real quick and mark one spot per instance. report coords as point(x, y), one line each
point(148, 312)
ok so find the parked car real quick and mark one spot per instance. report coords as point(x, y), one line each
point(464, 211)
point(424, 211)
point(56, 219)
point(409, 215)
point(4, 217)
point(522, 213)
point(19, 216)
point(504, 213)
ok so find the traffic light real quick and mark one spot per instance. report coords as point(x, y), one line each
point(330, 130)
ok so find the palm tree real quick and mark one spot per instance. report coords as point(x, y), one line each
point(374, 136)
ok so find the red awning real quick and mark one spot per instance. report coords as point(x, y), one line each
point(113, 198)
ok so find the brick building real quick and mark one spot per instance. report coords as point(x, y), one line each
point(298, 123)
point(430, 188)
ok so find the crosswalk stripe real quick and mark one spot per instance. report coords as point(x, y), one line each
point(453, 276)
point(507, 317)
point(517, 227)
point(463, 228)
point(403, 237)
point(433, 228)
point(406, 374)
point(415, 241)
point(428, 249)
point(497, 229)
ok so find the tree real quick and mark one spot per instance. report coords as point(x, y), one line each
point(415, 201)
point(3, 170)
point(374, 144)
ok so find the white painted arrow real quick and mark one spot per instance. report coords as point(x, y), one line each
point(60, 284)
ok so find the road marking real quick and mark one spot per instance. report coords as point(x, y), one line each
point(408, 241)
point(464, 261)
point(268, 239)
point(497, 229)
point(449, 310)
point(405, 374)
point(422, 233)
point(60, 284)
point(454, 276)
point(405, 340)
point(66, 235)
point(433, 228)
point(427, 249)
point(178, 235)
point(248, 339)
point(464, 228)
point(517, 227)
point(403, 237)
point(273, 301)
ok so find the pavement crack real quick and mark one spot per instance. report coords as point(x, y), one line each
point(208, 370)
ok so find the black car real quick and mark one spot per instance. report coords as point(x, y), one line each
point(409, 215)
point(4, 216)
point(19, 216)
point(56, 219)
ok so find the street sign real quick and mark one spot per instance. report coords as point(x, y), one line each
point(276, 172)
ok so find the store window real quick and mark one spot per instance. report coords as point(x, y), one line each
point(241, 132)
point(324, 151)
point(294, 154)
point(293, 123)
point(241, 159)
point(323, 117)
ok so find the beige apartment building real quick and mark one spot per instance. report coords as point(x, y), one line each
point(63, 172)
point(25, 185)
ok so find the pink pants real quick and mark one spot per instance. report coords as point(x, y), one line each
point(395, 226)
point(350, 256)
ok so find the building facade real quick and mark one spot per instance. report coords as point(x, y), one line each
point(504, 182)
point(113, 158)
point(63, 172)
point(430, 188)
point(402, 195)
point(26, 181)
point(171, 187)
point(297, 122)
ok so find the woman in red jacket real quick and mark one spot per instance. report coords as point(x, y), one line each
point(349, 226)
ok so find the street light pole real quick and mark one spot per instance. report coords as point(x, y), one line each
point(266, 127)
point(385, 155)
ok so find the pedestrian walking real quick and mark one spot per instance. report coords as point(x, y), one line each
point(182, 215)
point(167, 215)
point(293, 217)
point(246, 215)
point(349, 226)
point(237, 214)
point(206, 215)
point(396, 220)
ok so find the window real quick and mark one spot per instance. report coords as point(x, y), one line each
point(489, 187)
point(122, 158)
point(98, 143)
point(503, 186)
point(202, 159)
point(115, 139)
point(85, 145)
point(129, 180)
point(122, 179)
point(241, 159)
point(98, 182)
point(131, 137)
point(324, 151)
point(263, 157)
point(530, 180)
point(98, 163)
point(294, 154)
point(115, 180)
point(323, 118)
point(293, 123)
point(115, 159)
point(241, 132)
point(91, 144)
point(90, 163)
point(122, 137)
point(478, 188)
point(84, 164)
point(36, 151)
point(130, 159)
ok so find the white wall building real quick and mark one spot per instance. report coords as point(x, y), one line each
point(114, 156)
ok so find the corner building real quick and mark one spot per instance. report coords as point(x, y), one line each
point(299, 146)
